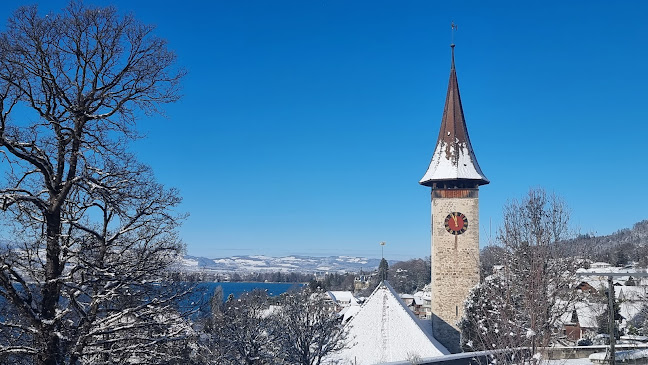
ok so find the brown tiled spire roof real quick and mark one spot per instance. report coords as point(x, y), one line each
point(453, 159)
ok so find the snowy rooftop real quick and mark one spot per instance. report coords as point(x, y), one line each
point(587, 313)
point(342, 297)
point(385, 330)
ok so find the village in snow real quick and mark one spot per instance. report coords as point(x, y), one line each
point(95, 267)
point(401, 323)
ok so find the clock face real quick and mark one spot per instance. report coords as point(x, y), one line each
point(456, 223)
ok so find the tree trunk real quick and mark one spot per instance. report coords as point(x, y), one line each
point(51, 290)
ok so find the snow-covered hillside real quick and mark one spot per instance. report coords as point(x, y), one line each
point(260, 263)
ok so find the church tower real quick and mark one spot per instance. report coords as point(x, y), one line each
point(454, 176)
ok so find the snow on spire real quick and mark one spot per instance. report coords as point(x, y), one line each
point(453, 157)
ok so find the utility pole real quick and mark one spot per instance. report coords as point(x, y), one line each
point(611, 323)
point(611, 298)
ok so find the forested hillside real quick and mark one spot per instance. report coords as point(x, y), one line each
point(628, 245)
point(619, 248)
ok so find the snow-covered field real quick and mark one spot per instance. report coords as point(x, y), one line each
point(262, 263)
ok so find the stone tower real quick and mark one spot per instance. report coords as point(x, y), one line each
point(454, 176)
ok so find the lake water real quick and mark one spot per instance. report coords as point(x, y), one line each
point(200, 296)
point(273, 289)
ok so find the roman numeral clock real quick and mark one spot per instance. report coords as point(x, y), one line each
point(454, 176)
point(456, 223)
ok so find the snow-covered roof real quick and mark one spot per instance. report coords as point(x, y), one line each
point(453, 157)
point(385, 330)
point(349, 312)
point(632, 293)
point(453, 161)
point(342, 297)
point(587, 313)
point(600, 265)
point(630, 310)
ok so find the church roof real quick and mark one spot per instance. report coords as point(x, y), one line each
point(453, 157)
point(384, 330)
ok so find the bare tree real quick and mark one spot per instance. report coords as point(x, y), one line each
point(411, 275)
point(90, 229)
point(522, 304)
point(241, 331)
point(309, 329)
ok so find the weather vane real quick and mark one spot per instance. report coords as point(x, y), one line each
point(453, 28)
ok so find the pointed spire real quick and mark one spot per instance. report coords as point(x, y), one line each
point(453, 159)
point(452, 66)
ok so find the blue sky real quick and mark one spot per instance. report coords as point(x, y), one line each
point(306, 125)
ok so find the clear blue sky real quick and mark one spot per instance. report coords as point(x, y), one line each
point(306, 125)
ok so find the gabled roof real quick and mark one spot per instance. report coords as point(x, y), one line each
point(453, 157)
point(340, 297)
point(587, 313)
point(384, 330)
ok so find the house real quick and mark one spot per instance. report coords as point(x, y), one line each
point(581, 320)
point(362, 281)
point(585, 287)
point(342, 298)
point(415, 303)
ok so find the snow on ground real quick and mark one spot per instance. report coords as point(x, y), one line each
point(188, 262)
point(358, 260)
point(285, 264)
point(620, 355)
point(567, 362)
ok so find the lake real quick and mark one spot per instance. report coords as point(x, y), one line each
point(200, 296)
point(273, 289)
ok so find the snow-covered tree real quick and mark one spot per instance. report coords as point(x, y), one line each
point(241, 331)
point(535, 272)
point(493, 317)
point(300, 328)
point(89, 231)
point(309, 329)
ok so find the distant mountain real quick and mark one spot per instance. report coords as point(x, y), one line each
point(261, 263)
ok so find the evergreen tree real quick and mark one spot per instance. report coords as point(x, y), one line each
point(603, 319)
point(383, 269)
